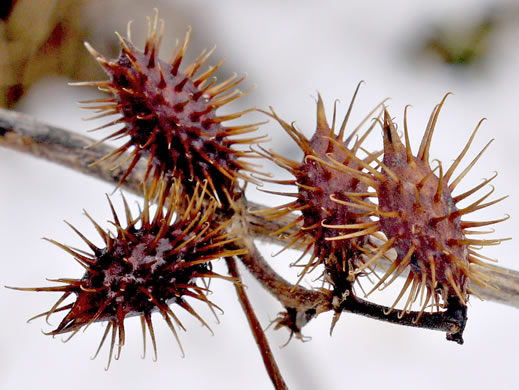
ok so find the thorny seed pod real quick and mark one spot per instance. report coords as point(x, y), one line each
point(170, 116)
point(419, 216)
point(322, 193)
point(149, 265)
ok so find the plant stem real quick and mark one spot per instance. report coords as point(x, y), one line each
point(26, 134)
point(257, 331)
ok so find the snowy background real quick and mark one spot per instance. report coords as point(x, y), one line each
point(290, 50)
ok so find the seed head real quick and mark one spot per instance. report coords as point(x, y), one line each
point(326, 199)
point(169, 116)
point(154, 263)
point(420, 218)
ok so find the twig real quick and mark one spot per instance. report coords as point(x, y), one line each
point(26, 134)
point(257, 331)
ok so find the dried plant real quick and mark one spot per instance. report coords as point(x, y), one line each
point(381, 214)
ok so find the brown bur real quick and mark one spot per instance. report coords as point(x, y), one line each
point(323, 199)
point(156, 263)
point(169, 116)
point(421, 221)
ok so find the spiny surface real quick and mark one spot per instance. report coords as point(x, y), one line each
point(170, 116)
point(152, 263)
point(421, 220)
point(324, 199)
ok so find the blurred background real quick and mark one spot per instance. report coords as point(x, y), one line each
point(412, 52)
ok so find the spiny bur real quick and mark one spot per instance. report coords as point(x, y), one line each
point(169, 116)
point(421, 221)
point(152, 264)
point(324, 199)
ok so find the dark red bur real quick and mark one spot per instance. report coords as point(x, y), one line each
point(168, 116)
point(421, 221)
point(153, 264)
point(326, 189)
